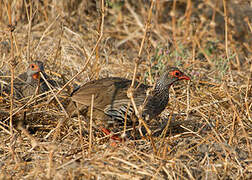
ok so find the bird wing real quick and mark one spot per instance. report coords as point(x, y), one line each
point(110, 96)
point(20, 80)
point(104, 91)
point(119, 108)
point(20, 84)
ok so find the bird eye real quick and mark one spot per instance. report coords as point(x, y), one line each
point(177, 73)
point(32, 66)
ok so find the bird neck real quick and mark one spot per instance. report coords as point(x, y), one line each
point(157, 101)
point(162, 87)
point(45, 76)
point(30, 80)
point(162, 92)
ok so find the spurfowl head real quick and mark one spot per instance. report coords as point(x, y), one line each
point(33, 70)
point(170, 75)
point(159, 97)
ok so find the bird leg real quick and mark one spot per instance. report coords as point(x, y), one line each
point(107, 132)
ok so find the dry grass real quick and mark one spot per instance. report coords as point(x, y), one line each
point(210, 120)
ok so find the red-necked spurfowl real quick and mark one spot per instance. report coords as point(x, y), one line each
point(111, 101)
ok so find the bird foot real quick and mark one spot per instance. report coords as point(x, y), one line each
point(107, 132)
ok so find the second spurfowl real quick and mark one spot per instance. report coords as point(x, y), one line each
point(111, 103)
point(25, 84)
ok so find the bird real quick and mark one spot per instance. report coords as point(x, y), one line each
point(26, 83)
point(111, 104)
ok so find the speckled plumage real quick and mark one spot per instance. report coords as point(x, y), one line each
point(111, 101)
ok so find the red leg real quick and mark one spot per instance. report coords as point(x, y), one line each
point(107, 132)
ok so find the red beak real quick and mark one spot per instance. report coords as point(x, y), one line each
point(184, 77)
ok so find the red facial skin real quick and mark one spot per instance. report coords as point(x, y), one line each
point(179, 75)
point(35, 67)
